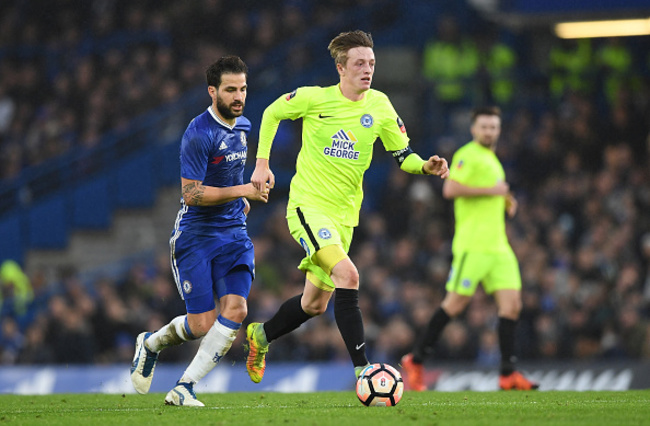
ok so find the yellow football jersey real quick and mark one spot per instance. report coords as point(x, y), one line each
point(480, 221)
point(337, 143)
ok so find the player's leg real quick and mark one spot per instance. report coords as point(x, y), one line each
point(509, 305)
point(291, 315)
point(345, 276)
point(219, 337)
point(214, 346)
point(452, 305)
point(193, 282)
point(294, 312)
point(199, 326)
point(232, 290)
point(298, 309)
point(504, 283)
point(461, 285)
point(317, 293)
point(333, 243)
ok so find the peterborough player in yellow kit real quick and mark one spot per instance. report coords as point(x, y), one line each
point(340, 126)
point(482, 254)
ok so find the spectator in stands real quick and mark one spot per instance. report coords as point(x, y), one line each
point(16, 287)
point(497, 68)
point(450, 62)
point(571, 67)
point(615, 68)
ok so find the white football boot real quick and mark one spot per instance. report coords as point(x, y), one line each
point(183, 395)
point(144, 363)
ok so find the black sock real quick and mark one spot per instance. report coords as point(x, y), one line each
point(427, 341)
point(289, 317)
point(348, 319)
point(507, 345)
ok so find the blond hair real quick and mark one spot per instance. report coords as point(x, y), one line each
point(342, 43)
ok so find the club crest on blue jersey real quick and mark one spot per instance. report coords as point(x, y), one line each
point(325, 234)
point(187, 287)
point(367, 121)
point(242, 136)
point(304, 245)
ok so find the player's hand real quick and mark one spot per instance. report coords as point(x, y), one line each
point(263, 178)
point(436, 166)
point(247, 206)
point(511, 205)
point(253, 194)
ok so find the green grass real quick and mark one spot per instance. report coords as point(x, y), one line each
point(335, 408)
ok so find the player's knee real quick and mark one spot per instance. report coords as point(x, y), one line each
point(235, 309)
point(452, 308)
point(348, 278)
point(511, 311)
point(236, 314)
point(314, 308)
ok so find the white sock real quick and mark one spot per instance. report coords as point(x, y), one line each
point(214, 346)
point(172, 334)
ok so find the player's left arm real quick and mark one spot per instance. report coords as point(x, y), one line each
point(411, 162)
point(393, 135)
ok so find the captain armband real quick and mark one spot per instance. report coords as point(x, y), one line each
point(409, 161)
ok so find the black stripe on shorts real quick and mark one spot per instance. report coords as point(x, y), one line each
point(458, 273)
point(308, 229)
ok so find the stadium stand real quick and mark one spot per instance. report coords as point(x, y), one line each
point(93, 94)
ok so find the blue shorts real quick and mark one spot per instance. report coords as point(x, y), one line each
point(204, 266)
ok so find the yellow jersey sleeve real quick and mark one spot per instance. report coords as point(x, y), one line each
point(289, 106)
point(392, 130)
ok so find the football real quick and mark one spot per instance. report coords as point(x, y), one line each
point(380, 385)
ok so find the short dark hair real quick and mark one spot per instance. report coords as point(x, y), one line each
point(343, 42)
point(485, 110)
point(225, 65)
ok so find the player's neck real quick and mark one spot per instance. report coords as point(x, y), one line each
point(231, 122)
point(490, 146)
point(351, 93)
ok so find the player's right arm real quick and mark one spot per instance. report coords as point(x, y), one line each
point(453, 189)
point(197, 194)
point(288, 106)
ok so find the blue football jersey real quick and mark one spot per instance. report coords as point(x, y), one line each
point(215, 154)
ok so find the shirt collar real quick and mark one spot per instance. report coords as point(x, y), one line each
point(219, 120)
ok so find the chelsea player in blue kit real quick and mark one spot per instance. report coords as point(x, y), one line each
point(211, 253)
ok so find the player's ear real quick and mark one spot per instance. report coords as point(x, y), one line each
point(340, 68)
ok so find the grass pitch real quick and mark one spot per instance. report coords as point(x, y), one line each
point(334, 408)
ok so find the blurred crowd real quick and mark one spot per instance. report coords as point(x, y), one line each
point(579, 165)
point(72, 70)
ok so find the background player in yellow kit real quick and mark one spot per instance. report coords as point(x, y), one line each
point(481, 251)
point(340, 126)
